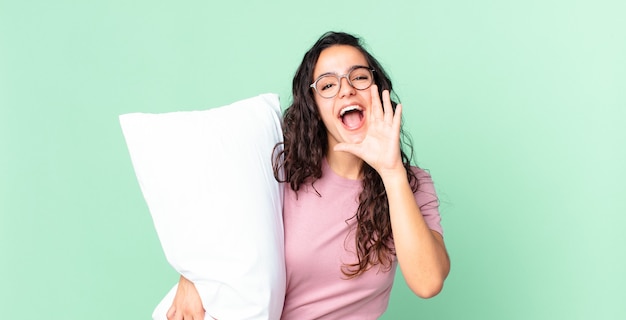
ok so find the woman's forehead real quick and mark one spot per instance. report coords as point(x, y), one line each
point(338, 59)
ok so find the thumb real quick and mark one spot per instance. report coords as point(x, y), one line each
point(348, 147)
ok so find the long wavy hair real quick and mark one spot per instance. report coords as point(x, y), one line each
point(305, 145)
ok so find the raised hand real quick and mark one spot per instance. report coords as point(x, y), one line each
point(381, 146)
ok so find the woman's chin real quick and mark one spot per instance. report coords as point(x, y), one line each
point(354, 138)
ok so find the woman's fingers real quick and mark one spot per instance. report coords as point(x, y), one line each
point(397, 118)
point(387, 109)
point(170, 313)
point(187, 304)
point(377, 108)
point(381, 109)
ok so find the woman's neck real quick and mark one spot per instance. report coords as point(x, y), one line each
point(345, 164)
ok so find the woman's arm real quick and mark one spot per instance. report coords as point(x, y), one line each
point(421, 252)
point(187, 304)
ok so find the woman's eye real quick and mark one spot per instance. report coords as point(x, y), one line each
point(327, 86)
point(359, 76)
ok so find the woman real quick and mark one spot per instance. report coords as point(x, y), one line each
point(354, 206)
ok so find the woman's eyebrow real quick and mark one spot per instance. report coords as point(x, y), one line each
point(325, 74)
point(349, 69)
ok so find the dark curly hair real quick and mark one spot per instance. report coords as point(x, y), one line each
point(298, 160)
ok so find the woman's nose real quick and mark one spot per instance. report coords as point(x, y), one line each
point(345, 88)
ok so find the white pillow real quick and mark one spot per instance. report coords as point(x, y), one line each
point(207, 179)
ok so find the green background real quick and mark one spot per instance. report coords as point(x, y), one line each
point(517, 108)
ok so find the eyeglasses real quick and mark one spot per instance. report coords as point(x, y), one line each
point(328, 84)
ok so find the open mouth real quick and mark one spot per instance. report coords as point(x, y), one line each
point(351, 116)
